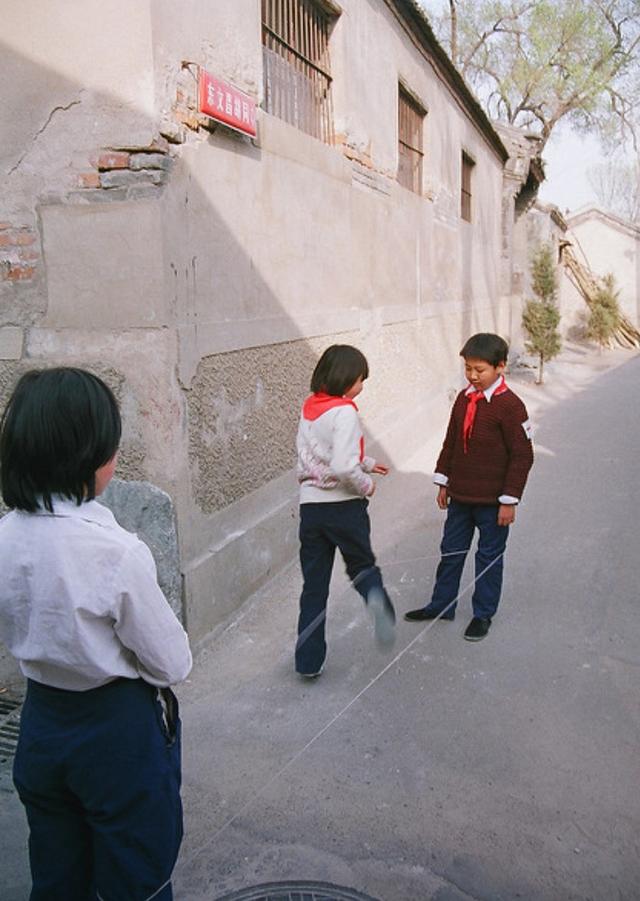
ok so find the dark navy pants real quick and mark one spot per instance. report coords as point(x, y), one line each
point(323, 528)
point(99, 775)
point(460, 525)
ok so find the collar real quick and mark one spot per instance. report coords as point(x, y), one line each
point(90, 511)
point(498, 387)
point(317, 404)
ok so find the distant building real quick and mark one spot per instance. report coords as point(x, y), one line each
point(609, 244)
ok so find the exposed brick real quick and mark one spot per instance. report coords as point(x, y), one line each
point(150, 161)
point(4, 225)
point(113, 159)
point(24, 237)
point(188, 119)
point(6, 241)
point(89, 180)
point(19, 273)
point(129, 178)
point(28, 255)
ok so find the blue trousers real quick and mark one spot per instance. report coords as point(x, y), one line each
point(323, 528)
point(462, 520)
point(99, 775)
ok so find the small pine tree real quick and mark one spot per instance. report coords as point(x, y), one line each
point(541, 317)
point(604, 314)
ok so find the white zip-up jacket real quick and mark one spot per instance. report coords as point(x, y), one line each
point(331, 461)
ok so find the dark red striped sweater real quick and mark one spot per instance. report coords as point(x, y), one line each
point(499, 456)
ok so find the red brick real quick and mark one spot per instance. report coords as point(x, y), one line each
point(4, 225)
point(24, 237)
point(6, 241)
point(89, 180)
point(20, 273)
point(29, 255)
point(113, 159)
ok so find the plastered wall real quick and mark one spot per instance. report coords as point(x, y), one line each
point(202, 274)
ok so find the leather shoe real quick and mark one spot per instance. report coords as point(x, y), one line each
point(423, 613)
point(477, 628)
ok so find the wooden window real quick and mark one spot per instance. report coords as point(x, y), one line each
point(410, 153)
point(297, 75)
point(465, 186)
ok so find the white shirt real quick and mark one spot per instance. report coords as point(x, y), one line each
point(329, 464)
point(80, 604)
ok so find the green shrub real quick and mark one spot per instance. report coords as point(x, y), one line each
point(541, 317)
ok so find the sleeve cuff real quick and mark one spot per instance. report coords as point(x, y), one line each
point(439, 479)
point(508, 499)
point(368, 463)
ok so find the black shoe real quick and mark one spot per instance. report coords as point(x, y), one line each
point(423, 613)
point(477, 628)
point(311, 675)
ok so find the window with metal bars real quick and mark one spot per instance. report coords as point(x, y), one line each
point(410, 122)
point(465, 186)
point(297, 74)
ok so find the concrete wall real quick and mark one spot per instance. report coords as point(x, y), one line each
point(202, 274)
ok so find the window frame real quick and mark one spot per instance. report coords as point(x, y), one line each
point(297, 65)
point(467, 165)
point(411, 116)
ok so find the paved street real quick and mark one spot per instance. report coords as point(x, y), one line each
point(442, 770)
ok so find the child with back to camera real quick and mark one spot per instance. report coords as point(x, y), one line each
point(481, 474)
point(335, 484)
point(98, 760)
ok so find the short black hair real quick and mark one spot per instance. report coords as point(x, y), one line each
point(486, 346)
point(339, 367)
point(59, 426)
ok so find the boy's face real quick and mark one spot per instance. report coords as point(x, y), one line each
point(482, 374)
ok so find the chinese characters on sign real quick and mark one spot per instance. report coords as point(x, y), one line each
point(223, 102)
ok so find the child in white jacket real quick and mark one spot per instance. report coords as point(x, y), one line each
point(335, 482)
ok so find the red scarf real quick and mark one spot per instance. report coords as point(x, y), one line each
point(317, 404)
point(473, 396)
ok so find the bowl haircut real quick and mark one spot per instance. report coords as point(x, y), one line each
point(339, 367)
point(486, 346)
point(59, 426)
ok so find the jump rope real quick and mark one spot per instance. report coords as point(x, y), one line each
point(270, 781)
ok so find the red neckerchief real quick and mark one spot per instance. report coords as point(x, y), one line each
point(317, 404)
point(473, 396)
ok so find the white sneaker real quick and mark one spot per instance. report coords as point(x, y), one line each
point(384, 617)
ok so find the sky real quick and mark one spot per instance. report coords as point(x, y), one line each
point(567, 158)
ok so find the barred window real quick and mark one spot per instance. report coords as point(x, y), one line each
point(297, 75)
point(410, 153)
point(465, 186)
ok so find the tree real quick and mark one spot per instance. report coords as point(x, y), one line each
point(541, 317)
point(616, 183)
point(604, 313)
point(534, 64)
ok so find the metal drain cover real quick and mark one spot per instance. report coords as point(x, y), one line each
point(9, 726)
point(296, 891)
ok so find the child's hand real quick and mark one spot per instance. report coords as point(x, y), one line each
point(506, 514)
point(441, 498)
point(373, 488)
point(380, 469)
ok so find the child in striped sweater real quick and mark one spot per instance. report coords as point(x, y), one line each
point(481, 473)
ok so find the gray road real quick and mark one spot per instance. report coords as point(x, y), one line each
point(444, 770)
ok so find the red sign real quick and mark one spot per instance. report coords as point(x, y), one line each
point(223, 102)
